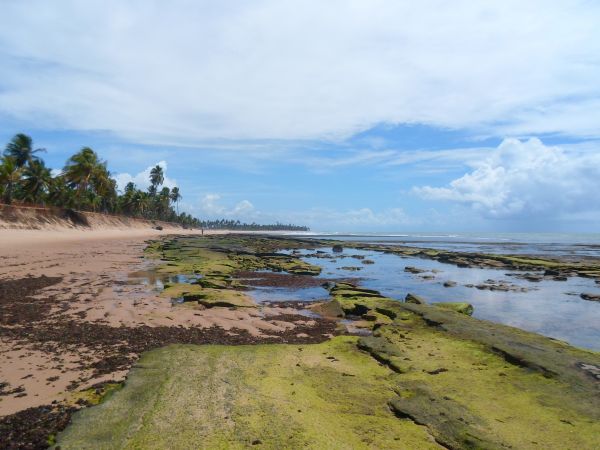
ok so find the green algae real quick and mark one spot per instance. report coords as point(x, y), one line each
point(218, 297)
point(428, 375)
point(216, 260)
point(277, 396)
point(416, 299)
point(97, 394)
point(215, 256)
point(459, 307)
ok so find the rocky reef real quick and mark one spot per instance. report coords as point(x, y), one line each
point(399, 374)
point(551, 268)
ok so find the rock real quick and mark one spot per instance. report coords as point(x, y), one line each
point(412, 269)
point(351, 268)
point(328, 285)
point(590, 297)
point(211, 298)
point(378, 318)
point(411, 298)
point(460, 307)
point(449, 284)
point(368, 261)
point(337, 248)
point(213, 283)
point(533, 277)
point(328, 309)
point(551, 272)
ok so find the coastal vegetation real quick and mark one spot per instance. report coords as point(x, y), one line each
point(86, 184)
point(228, 224)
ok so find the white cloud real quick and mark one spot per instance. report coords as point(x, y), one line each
point(211, 208)
point(142, 179)
point(356, 218)
point(185, 71)
point(523, 179)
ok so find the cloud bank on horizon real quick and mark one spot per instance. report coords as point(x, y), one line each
point(293, 86)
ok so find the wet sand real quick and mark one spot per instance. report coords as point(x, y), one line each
point(77, 311)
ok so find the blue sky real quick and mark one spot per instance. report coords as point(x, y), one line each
point(355, 115)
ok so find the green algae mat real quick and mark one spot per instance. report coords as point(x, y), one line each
point(425, 377)
point(325, 396)
point(452, 394)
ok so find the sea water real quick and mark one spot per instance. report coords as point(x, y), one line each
point(548, 307)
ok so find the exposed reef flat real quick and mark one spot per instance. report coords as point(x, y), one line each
point(552, 268)
point(418, 376)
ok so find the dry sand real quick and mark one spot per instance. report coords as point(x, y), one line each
point(96, 286)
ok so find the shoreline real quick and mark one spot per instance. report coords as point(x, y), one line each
point(96, 291)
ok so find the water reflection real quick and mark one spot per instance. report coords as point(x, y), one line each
point(552, 308)
point(158, 280)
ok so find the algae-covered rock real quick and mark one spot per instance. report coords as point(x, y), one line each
point(214, 283)
point(220, 298)
point(452, 425)
point(323, 396)
point(462, 382)
point(377, 317)
point(460, 307)
point(385, 352)
point(412, 298)
point(327, 309)
point(356, 293)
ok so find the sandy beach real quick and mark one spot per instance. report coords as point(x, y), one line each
point(90, 290)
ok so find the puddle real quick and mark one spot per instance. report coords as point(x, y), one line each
point(158, 280)
point(275, 295)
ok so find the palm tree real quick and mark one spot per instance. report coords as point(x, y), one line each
point(21, 148)
point(10, 175)
point(129, 188)
point(105, 187)
point(164, 199)
point(60, 194)
point(80, 169)
point(36, 181)
point(140, 202)
point(175, 197)
point(157, 176)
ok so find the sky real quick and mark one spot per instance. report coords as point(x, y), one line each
point(370, 115)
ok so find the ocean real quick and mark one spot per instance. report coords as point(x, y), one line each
point(546, 244)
